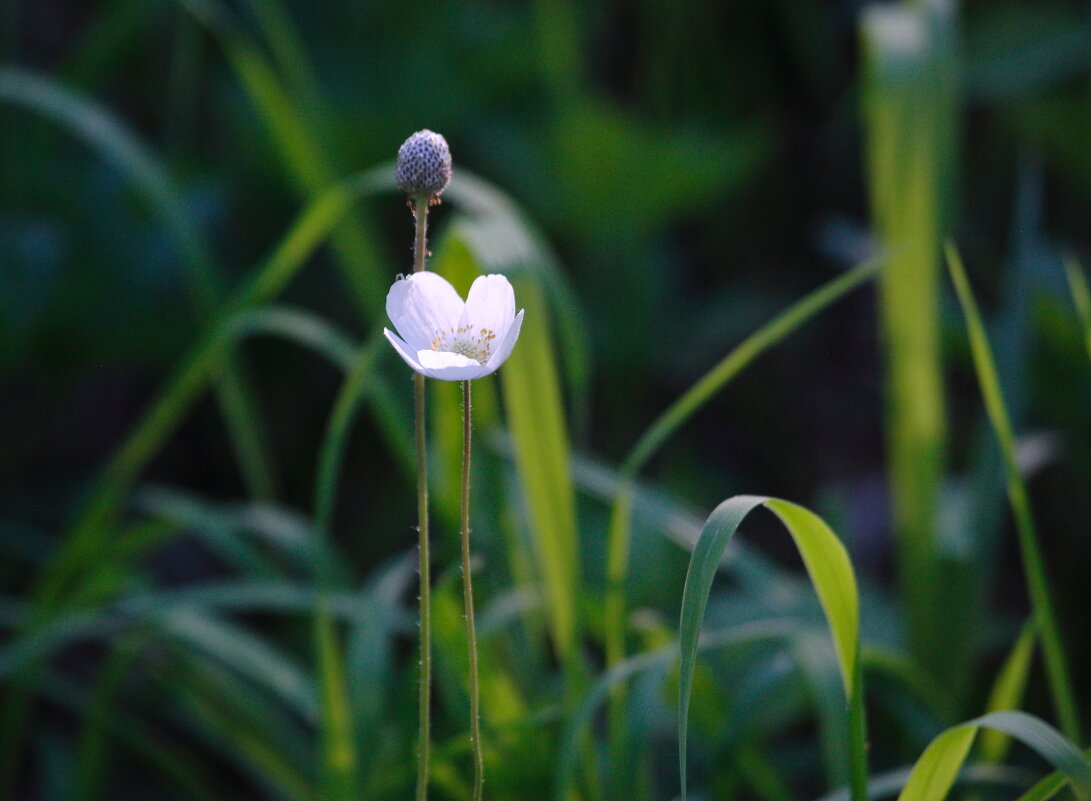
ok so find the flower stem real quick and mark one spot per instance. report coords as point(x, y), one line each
point(468, 599)
point(420, 251)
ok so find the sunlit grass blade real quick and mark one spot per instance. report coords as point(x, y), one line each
point(1081, 298)
point(1060, 684)
point(500, 240)
point(1007, 692)
point(909, 104)
point(832, 576)
point(935, 771)
point(536, 419)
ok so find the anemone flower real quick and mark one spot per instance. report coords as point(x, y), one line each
point(440, 336)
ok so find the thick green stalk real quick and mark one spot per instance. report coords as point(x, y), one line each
point(858, 767)
point(420, 253)
point(468, 598)
point(909, 109)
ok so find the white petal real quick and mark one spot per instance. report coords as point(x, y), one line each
point(490, 306)
point(422, 305)
point(403, 349)
point(503, 350)
point(448, 366)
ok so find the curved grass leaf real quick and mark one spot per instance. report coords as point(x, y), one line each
point(1060, 683)
point(939, 765)
point(619, 536)
point(501, 241)
point(832, 576)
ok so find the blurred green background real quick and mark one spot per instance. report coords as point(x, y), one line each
point(661, 179)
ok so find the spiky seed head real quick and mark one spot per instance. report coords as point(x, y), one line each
point(424, 164)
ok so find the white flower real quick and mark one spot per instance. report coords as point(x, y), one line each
point(442, 337)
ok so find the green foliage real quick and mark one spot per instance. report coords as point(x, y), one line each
point(207, 585)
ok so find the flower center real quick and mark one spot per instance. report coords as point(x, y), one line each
point(465, 341)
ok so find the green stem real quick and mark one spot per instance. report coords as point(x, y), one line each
point(468, 599)
point(419, 253)
point(858, 767)
point(1059, 680)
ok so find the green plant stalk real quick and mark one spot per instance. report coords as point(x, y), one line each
point(909, 109)
point(858, 767)
point(1081, 298)
point(1060, 684)
point(468, 598)
point(620, 528)
point(420, 253)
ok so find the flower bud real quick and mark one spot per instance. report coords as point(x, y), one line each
point(424, 164)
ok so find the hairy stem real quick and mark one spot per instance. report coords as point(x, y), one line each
point(468, 599)
point(420, 251)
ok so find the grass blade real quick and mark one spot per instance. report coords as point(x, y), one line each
point(935, 771)
point(1007, 693)
point(833, 579)
point(1045, 620)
